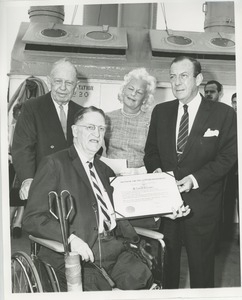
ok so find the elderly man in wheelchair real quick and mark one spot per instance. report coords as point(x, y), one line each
point(70, 202)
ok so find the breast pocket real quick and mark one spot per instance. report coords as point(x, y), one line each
point(209, 144)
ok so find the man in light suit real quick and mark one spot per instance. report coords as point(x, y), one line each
point(199, 168)
point(39, 130)
point(69, 170)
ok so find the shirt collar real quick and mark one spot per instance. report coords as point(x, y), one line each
point(83, 157)
point(192, 104)
point(65, 105)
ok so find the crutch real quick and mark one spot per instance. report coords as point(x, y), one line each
point(64, 205)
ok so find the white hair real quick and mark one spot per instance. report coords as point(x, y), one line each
point(140, 74)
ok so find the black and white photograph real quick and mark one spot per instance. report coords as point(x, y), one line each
point(120, 144)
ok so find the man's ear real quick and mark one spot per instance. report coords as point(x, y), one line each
point(74, 130)
point(199, 79)
point(49, 82)
point(76, 87)
point(221, 93)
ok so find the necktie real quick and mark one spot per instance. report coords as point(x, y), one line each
point(183, 132)
point(103, 206)
point(63, 119)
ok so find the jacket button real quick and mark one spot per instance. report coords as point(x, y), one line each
point(52, 147)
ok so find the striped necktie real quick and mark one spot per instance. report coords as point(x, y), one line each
point(63, 119)
point(103, 206)
point(183, 132)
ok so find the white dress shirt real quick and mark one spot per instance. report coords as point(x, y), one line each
point(192, 111)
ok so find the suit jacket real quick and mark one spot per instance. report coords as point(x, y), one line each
point(64, 171)
point(39, 133)
point(208, 158)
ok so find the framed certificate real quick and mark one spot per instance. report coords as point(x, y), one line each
point(145, 195)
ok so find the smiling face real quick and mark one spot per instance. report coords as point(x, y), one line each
point(183, 83)
point(88, 140)
point(63, 82)
point(134, 95)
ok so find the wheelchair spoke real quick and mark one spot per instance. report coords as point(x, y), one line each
point(25, 277)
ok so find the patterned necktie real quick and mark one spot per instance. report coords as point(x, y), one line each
point(63, 119)
point(183, 132)
point(103, 206)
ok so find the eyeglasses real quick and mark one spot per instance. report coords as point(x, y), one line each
point(92, 127)
point(59, 82)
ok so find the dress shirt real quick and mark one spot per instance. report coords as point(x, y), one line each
point(192, 111)
point(65, 107)
point(111, 212)
point(10, 136)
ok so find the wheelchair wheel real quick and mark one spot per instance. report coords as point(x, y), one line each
point(47, 275)
point(25, 278)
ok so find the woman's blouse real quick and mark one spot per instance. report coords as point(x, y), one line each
point(126, 135)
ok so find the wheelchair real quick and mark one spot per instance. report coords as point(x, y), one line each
point(32, 275)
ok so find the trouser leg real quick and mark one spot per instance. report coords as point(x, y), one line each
point(130, 273)
point(126, 269)
point(173, 240)
point(200, 242)
point(19, 217)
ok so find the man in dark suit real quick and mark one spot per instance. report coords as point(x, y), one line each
point(69, 170)
point(39, 129)
point(213, 90)
point(199, 162)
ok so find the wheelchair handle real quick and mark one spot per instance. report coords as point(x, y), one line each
point(62, 214)
point(71, 206)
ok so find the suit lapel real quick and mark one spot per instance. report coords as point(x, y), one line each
point(198, 125)
point(50, 118)
point(103, 179)
point(171, 128)
point(77, 164)
point(70, 120)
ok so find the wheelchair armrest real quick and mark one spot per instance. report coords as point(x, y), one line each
point(53, 245)
point(149, 233)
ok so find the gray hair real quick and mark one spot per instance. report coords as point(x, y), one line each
point(61, 61)
point(84, 110)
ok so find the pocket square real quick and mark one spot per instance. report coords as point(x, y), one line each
point(210, 133)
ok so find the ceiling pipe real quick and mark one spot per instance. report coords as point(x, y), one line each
point(95, 15)
point(136, 18)
point(47, 14)
point(219, 16)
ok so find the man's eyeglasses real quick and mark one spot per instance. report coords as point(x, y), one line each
point(92, 127)
point(59, 82)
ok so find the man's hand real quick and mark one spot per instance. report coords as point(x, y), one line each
point(82, 248)
point(181, 212)
point(185, 184)
point(24, 190)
